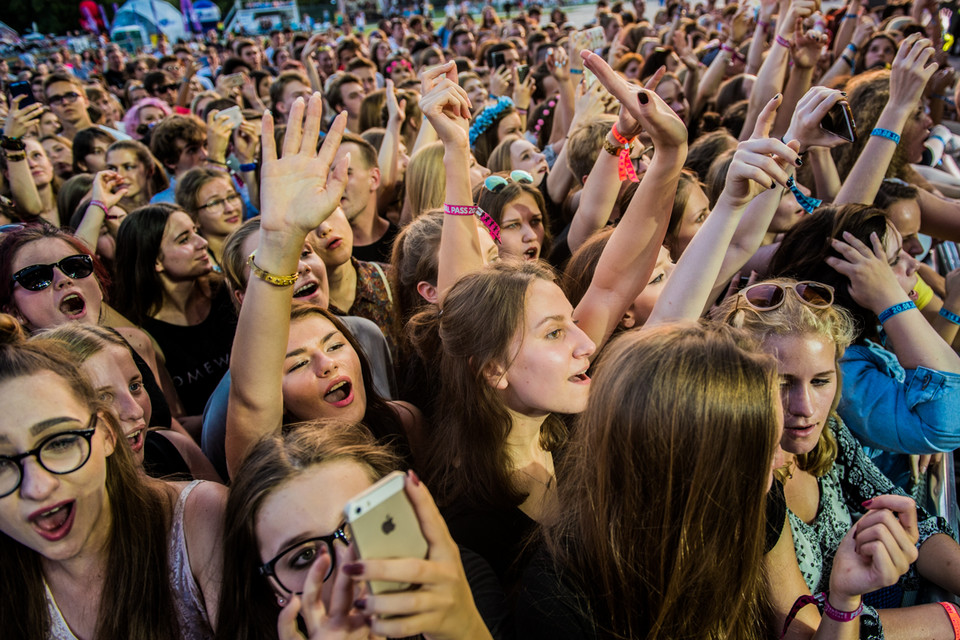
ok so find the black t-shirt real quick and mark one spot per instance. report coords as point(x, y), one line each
point(116, 79)
point(198, 356)
point(380, 250)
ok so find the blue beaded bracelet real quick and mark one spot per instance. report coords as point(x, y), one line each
point(248, 166)
point(950, 315)
point(886, 314)
point(886, 133)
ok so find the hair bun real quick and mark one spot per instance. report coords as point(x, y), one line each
point(11, 332)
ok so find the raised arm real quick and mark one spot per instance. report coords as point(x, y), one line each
point(22, 188)
point(446, 106)
point(805, 53)
point(909, 76)
point(300, 190)
point(631, 253)
point(758, 170)
point(390, 147)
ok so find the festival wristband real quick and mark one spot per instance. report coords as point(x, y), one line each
point(889, 312)
point(100, 205)
point(952, 317)
point(783, 42)
point(851, 16)
point(952, 614)
point(625, 169)
point(853, 48)
point(471, 210)
point(886, 133)
point(248, 166)
point(828, 610)
point(808, 203)
point(460, 209)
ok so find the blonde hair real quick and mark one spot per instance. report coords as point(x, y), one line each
point(793, 317)
point(426, 179)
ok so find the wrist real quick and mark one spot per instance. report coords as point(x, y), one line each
point(843, 601)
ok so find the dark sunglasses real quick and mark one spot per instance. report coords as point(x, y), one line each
point(767, 296)
point(496, 183)
point(39, 276)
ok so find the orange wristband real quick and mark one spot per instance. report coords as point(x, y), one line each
point(954, 618)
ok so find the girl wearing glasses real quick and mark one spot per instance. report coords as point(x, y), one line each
point(49, 278)
point(210, 199)
point(100, 550)
point(829, 481)
point(288, 547)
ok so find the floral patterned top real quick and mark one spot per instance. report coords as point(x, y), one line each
point(852, 480)
point(374, 300)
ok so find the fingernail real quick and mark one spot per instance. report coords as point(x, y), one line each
point(799, 162)
point(777, 97)
point(360, 603)
point(353, 568)
point(843, 93)
point(643, 98)
point(866, 503)
point(414, 478)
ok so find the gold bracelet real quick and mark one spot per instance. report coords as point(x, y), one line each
point(613, 148)
point(277, 281)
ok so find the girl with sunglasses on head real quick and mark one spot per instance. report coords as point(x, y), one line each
point(677, 447)
point(294, 364)
point(287, 548)
point(829, 481)
point(902, 398)
point(92, 548)
point(513, 352)
point(518, 207)
point(49, 278)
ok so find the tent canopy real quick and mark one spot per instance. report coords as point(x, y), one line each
point(151, 15)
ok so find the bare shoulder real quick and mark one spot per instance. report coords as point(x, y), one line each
point(409, 415)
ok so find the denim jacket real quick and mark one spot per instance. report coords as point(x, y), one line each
point(892, 410)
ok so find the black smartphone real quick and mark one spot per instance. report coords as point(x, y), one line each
point(497, 59)
point(22, 88)
point(523, 71)
point(839, 121)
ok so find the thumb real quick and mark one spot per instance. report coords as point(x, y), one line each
point(287, 621)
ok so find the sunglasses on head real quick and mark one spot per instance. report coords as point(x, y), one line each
point(767, 296)
point(496, 183)
point(39, 276)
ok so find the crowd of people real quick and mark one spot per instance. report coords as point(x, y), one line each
point(658, 317)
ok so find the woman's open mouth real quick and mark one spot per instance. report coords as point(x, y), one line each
point(136, 439)
point(54, 523)
point(306, 290)
point(339, 394)
point(73, 306)
point(532, 253)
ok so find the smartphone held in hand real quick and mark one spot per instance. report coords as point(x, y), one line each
point(383, 524)
point(839, 121)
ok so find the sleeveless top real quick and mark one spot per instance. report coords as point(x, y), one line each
point(187, 599)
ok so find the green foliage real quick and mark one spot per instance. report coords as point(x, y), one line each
point(51, 16)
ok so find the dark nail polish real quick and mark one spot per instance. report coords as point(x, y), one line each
point(799, 162)
point(777, 97)
point(353, 568)
point(866, 503)
point(360, 603)
point(843, 93)
point(414, 478)
point(643, 98)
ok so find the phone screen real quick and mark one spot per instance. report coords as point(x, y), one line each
point(497, 59)
point(839, 121)
point(522, 72)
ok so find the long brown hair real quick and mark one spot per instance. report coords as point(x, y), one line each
point(136, 600)
point(247, 607)
point(481, 315)
point(662, 498)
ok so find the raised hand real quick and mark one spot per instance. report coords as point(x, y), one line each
point(499, 82)
point(109, 188)
point(911, 71)
point(807, 47)
point(20, 121)
point(558, 64)
point(445, 104)
point(805, 122)
point(396, 111)
point(872, 282)
point(442, 607)
point(642, 104)
point(245, 142)
point(759, 163)
point(878, 549)
point(300, 190)
point(522, 91)
point(218, 135)
point(338, 621)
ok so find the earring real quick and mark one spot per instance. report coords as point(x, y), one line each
point(281, 601)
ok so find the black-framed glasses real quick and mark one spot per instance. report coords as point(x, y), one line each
point(233, 198)
point(767, 296)
point(39, 276)
point(496, 183)
point(64, 98)
point(289, 568)
point(59, 454)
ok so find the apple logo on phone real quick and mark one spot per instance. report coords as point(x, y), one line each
point(387, 527)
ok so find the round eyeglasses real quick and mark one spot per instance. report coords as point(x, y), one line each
point(767, 296)
point(289, 568)
point(59, 454)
